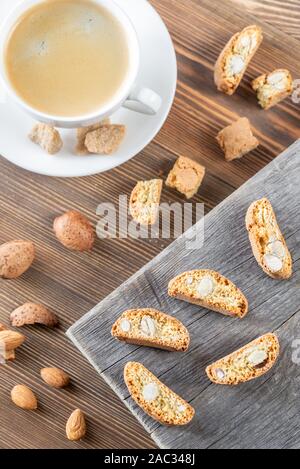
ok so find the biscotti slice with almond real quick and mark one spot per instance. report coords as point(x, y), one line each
point(235, 58)
point(155, 398)
point(267, 242)
point(249, 362)
point(145, 200)
point(151, 328)
point(211, 290)
point(272, 88)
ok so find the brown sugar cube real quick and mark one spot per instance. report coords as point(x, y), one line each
point(186, 176)
point(47, 137)
point(105, 140)
point(237, 139)
point(82, 132)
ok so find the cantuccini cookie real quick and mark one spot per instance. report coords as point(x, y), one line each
point(267, 242)
point(235, 58)
point(237, 139)
point(210, 290)
point(145, 200)
point(271, 88)
point(247, 363)
point(186, 176)
point(155, 398)
point(151, 328)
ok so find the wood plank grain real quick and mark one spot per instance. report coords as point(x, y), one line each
point(71, 283)
point(273, 304)
point(282, 14)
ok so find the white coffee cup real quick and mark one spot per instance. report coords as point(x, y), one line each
point(130, 95)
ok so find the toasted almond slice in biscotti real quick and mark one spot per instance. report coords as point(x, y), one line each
point(268, 244)
point(211, 290)
point(151, 328)
point(247, 363)
point(235, 58)
point(155, 398)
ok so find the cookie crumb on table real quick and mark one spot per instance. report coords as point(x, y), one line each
point(237, 139)
point(186, 176)
point(47, 137)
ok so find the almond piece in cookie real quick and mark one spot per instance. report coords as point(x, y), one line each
point(186, 176)
point(74, 231)
point(82, 133)
point(273, 87)
point(235, 58)
point(155, 398)
point(210, 290)
point(47, 137)
point(267, 242)
point(15, 258)
point(145, 200)
point(105, 140)
point(237, 139)
point(31, 313)
point(151, 328)
point(247, 363)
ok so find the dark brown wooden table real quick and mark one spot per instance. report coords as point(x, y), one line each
point(71, 283)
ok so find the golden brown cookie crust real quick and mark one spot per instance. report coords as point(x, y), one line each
point(144, 201)
point(224, 81)
point(267, 239)
point(237, 139)
point(186, 176)
point(250, 362)
point(167, 407)
point(272, 88)
point(151, 328)
point(210, 290)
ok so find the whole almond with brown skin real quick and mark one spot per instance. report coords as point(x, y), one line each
point(6, 354)
point(11, 339)
point(15, 258)
point(76, 426)
point(55, 377)
point(32, 313)
point(74, 231)
point(23, 397)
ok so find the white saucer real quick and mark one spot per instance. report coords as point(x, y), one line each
point(158, 71)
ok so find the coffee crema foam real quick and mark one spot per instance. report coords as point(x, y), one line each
point(67, 57)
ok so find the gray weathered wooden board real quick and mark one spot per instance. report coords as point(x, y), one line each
point(261, 414)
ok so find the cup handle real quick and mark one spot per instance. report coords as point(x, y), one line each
point(143, 100)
